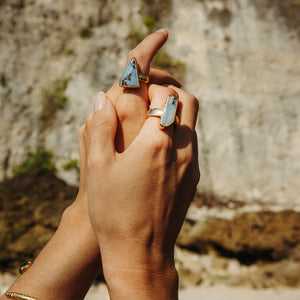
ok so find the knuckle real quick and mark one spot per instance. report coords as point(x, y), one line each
point(172, 92)
point(189, 163)
point(103, 125)
point(160, 143)
point(125, 111)
point(195, 102)
point(133, 53)
point(133, 114)
point(191, 101)
point(188, 158)
point(138, 54)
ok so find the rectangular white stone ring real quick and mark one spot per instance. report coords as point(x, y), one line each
point(169, 114)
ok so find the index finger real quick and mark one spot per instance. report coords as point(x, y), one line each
point(146, 49)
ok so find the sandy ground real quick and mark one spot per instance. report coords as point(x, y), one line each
point(215, 293)
point(195, 293)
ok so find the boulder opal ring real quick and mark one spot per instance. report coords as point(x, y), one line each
point(131, 77)
point(168, 114)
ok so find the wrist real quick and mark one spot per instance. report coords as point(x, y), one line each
point(136, 273)
point(143, 283)
point(77, 212)
point(75, 222)
point(68, 264)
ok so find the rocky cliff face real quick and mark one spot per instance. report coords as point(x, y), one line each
point(239, 57)
point(241, 61)
point(244, 66)
point(45, 44)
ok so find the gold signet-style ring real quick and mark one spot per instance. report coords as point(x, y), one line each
point(131, 77)
point(168, 115)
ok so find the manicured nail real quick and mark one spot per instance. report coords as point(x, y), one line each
point(100, 101)
point(162, 30)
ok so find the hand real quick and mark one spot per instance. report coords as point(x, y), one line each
point(131, 106)
point(68, 264)
point(138, 199)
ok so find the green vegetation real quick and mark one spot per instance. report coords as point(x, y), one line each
point(70, 52)
point(146, 2)
point(149, 22)
point(85, 33)
point(227, 38)
point(135, 38)
point(39, 160)
point(15, 233)
point(58, 94)
point(119, 18)
point(222, 16)
point(54, 99)
point(153, 12)
point(3, 80)
point(71, 164)
point(156, 8)
point(164, 61)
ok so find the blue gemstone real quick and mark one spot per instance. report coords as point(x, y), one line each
point(169, 114)
point(130, 76)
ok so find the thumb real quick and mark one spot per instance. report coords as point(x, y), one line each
point(102, 129)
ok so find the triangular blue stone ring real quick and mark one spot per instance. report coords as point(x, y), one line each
point(131, 77)
point(168, 115)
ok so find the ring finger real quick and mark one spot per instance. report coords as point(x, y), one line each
point(159, 96)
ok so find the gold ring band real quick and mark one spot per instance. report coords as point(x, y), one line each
point(24, 267)
point(155, 112)
point(144, 78)
point(168, 114)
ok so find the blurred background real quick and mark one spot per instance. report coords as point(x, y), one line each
point(240, 58)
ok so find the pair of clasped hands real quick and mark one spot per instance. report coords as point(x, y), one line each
point(136, 183)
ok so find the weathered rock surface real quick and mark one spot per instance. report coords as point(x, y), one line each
point(40, 44)
point(31, 205)
point(255, 249)
point(259, 249)
point(248, 236)
point(211, 270)
point(242, 62)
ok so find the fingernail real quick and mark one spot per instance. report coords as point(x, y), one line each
point(162, 30)
point(100, 101)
